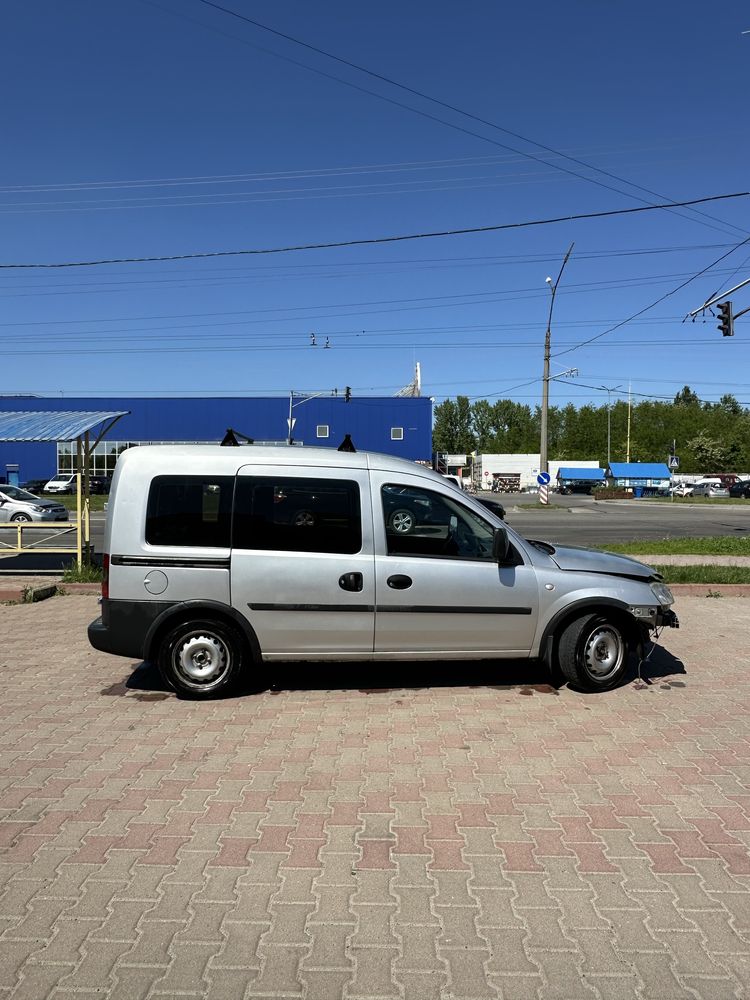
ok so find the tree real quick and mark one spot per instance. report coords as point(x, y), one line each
point(709, 453)
point(451, 430)
point(729, 404)
point(686, 397)
point(483, 425)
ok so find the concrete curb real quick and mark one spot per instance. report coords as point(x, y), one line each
point(32, 595)
point(710, 589)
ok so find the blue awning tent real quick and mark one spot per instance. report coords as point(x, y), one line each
point(638, 473)
point(570, 473)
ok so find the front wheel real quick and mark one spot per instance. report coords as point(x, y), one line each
point(402, 521)
point(20, 518)
point(593, 652)
point(201, 658)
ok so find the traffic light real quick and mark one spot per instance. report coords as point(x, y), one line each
point(726, 320)
point(347, 394)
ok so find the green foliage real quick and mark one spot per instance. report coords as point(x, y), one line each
point(704, 574)
point(720, 545)
point(710, 437)
point(88, 573)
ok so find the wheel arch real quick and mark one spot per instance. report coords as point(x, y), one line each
point(618, 610)
point(187, 610)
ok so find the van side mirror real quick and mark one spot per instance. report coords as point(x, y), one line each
point(500, 545)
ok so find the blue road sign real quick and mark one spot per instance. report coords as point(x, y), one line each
point(543, 478)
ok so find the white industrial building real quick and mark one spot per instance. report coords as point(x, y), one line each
point(518, 472)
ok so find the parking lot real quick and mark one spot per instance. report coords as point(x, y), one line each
point(398, 830)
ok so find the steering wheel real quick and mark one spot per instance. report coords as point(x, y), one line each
point(461, 541)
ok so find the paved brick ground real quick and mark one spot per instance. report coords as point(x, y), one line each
point(422, 833)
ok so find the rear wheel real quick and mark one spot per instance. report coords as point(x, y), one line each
point(593, 652)
point(201, 658)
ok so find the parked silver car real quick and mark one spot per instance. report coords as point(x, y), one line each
point(20, 505)
point(210, 572)
point(710, 490)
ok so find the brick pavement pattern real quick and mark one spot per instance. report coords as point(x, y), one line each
point(458, 832)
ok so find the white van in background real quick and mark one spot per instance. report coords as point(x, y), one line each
point(65, 482)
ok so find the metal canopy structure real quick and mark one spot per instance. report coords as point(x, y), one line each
point(62, 425)
point(54, 426)
point(573, 472)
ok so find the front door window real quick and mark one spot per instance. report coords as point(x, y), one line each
point(421, 522)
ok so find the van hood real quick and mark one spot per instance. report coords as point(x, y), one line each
point(578, 559)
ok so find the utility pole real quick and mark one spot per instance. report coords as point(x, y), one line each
point(543, 463)
point(630, 402)
point(609, 392)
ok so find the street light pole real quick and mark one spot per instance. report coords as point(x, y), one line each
point(609, 391)
point(543, 462)
point(306, 399)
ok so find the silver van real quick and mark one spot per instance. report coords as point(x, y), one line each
point(218, 560)
point(20, 505)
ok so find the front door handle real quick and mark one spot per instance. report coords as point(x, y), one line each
point(399, 582)
point(351, 581)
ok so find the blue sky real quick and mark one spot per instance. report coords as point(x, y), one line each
point(162, 127)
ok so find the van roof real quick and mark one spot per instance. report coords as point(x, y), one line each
point(216, 459)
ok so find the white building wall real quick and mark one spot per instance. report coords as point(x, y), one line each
point(525, 465)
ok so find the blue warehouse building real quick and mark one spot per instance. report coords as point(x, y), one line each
point(400, 426)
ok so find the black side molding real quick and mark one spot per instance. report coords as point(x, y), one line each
point(209, 562)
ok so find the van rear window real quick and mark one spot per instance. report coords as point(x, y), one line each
point(297, 515)
point(190, 510)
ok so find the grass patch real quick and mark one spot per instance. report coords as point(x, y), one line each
point(704, 574)
point(88, 573)
point(721, 545)
point(538, 506)
point(67, 500)
point(684, 500)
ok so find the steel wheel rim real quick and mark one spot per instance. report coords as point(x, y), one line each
point(604, 652)
point(402, 521)
point(201, 659)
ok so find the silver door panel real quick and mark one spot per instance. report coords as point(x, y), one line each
point(294, 600)
point(452, 606)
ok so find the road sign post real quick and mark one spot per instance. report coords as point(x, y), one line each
point(543, 479)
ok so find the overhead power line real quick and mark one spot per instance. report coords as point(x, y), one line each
point(656, 302)
point(378, 239)
point(460, 111)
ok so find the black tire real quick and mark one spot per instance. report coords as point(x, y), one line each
point(593, 652)
point(21, 517)
point(401, 521)
point(303, 519)
point(201, 658)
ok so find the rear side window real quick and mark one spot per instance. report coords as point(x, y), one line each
point(190, 510)
point(297, 515)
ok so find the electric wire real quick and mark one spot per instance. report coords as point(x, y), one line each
point(471, 230)
point(656, 302)
point(466, 114)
